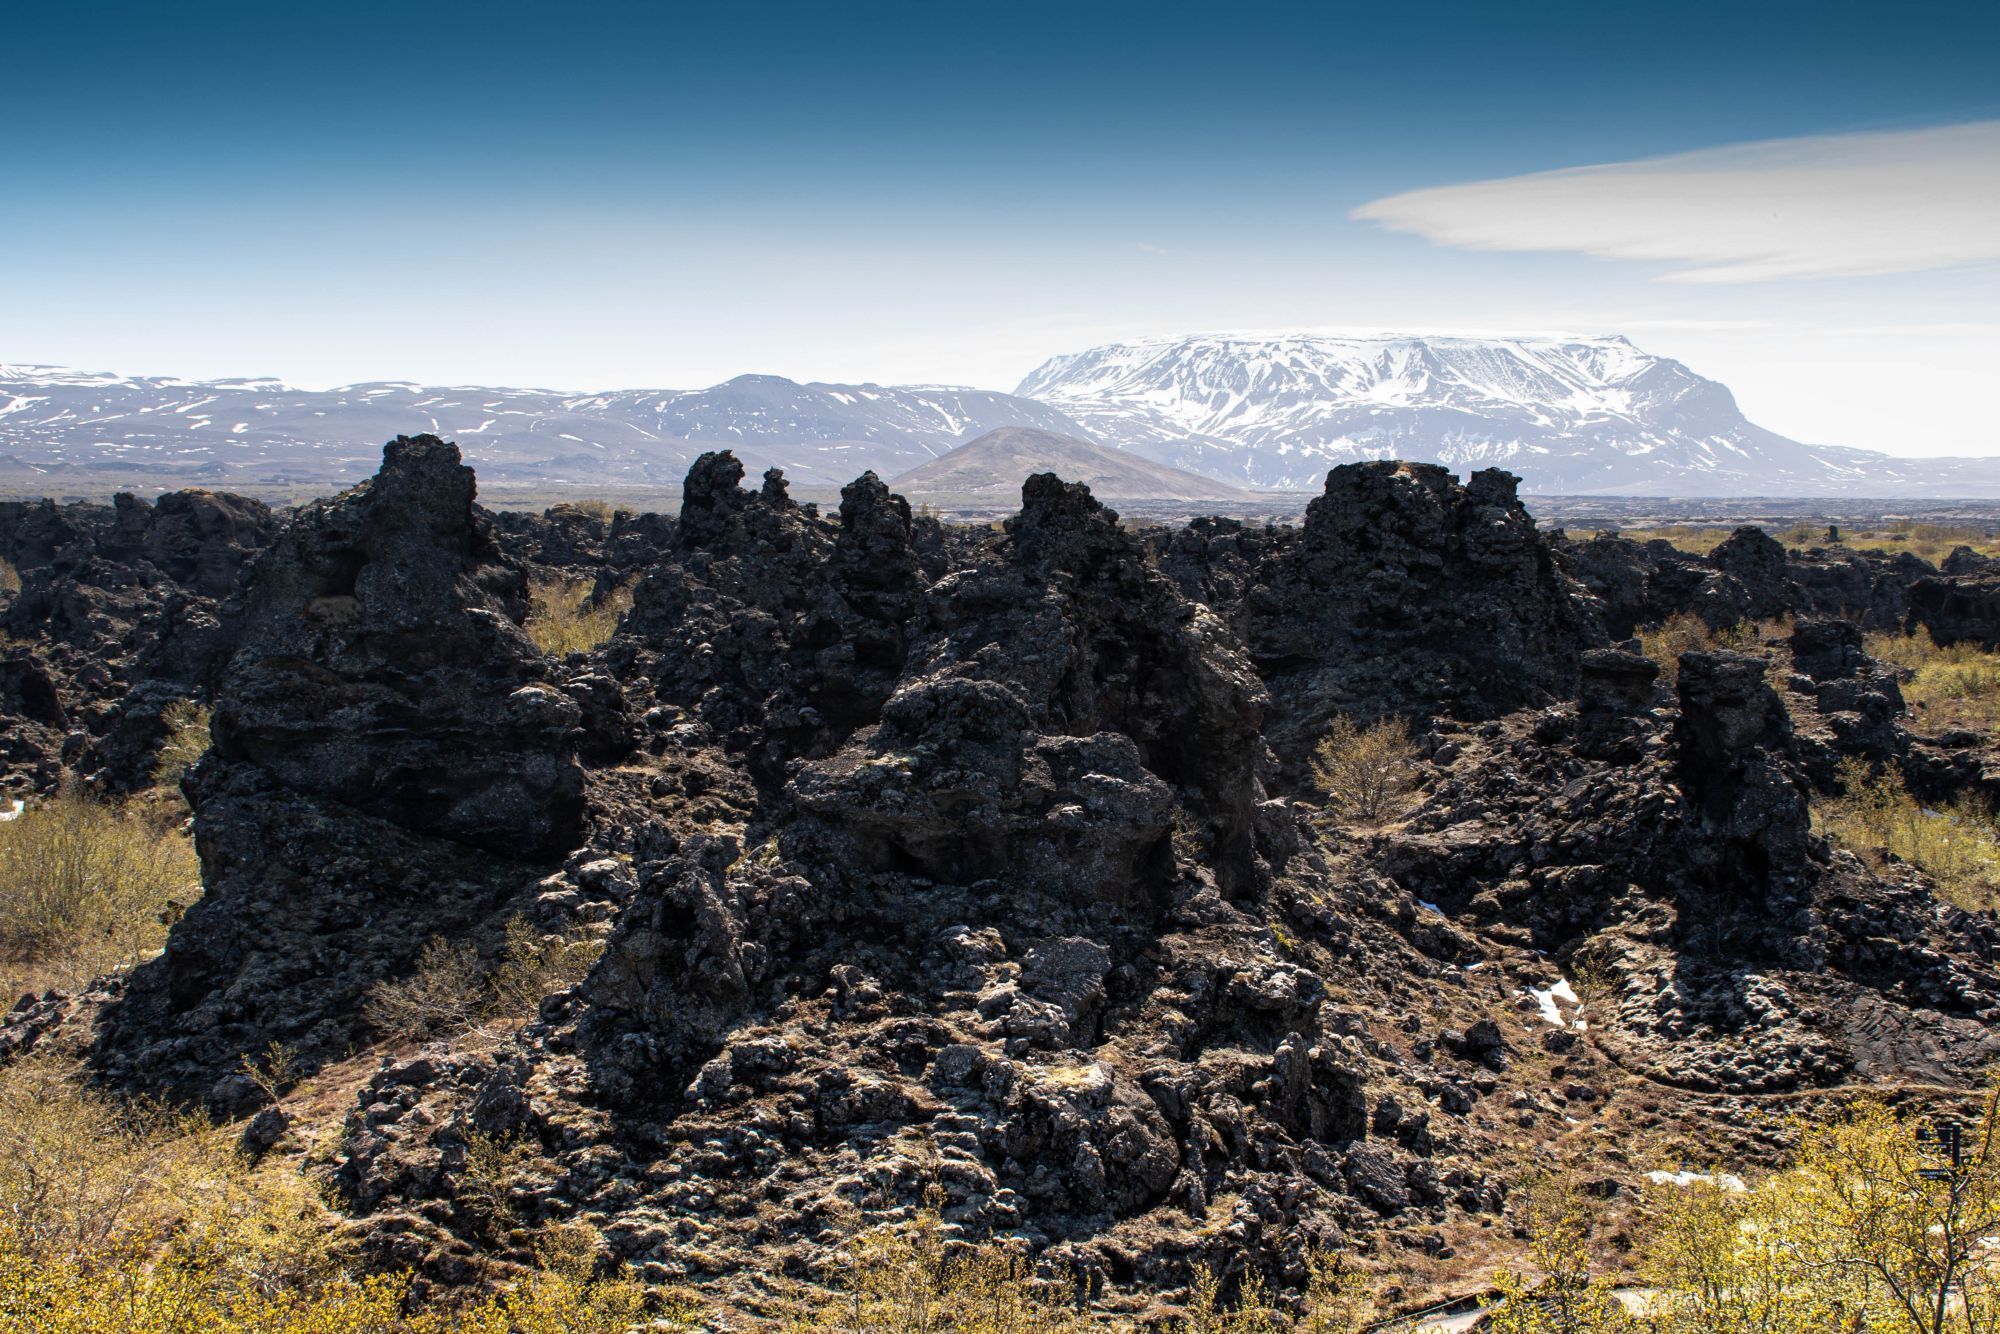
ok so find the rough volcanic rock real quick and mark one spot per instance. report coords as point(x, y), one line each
point(1734, 741)
point(1866, 587)
point(1960, 609)
point(1644, 584)
point(1405, 591)
point(387, 761)
point(380, 663)
point(121, 602)
point(945, 863)
point(1757, 562)
point(781, 631)
point(1747, 577)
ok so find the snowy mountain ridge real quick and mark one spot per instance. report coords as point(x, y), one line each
point(160, 431)
point(1574, 415)
point(1590, 415)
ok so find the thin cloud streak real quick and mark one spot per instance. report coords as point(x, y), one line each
point(1826, 206)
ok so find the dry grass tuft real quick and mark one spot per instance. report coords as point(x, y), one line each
point(595, 507)
point(87, 887)
point(562, 618)
point(10, 579)
point(1684, 632)
point(1956, 847)
point(452, 990)
point(1950, 687)
point(187, 741)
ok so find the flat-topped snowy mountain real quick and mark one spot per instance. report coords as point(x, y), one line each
point(1569, 415)
point(57, 424)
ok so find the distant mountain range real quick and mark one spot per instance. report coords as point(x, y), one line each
point(1575, 416)
point(994, 465)
point(1571, 416)
point(57, 424)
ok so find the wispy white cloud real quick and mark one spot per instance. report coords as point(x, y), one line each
point(1828, 205)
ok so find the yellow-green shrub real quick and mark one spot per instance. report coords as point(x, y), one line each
point(452, 989)
point(562, 618)
point(1957, 846)
point(186, 741)
point(1957, 686)
point(94, 1182)
point(127, 1218)
point(85, 887)
point(913, 1280)
point(1368, 774)
point(1875, 1227)
point(1563, 1296)
point(1684, 632)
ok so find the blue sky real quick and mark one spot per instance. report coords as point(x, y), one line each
point(596, 195)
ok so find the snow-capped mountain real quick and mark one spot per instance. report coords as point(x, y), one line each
point(1569, 415)
point(165, 432)
point(1575, 416)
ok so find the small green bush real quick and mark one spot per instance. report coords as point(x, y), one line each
point(1368, 774)
point(563, 619)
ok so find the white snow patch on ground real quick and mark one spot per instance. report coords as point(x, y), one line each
point(14, 812)
point(1546, 1001)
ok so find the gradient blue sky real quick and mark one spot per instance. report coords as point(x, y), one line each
point(598, 195)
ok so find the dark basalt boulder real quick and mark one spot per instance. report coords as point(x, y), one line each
point(1964, 560)
point(577, 541)
point(1958, 609)
point(1866, 587)
point(35, 534)
point(1826, 649)
point(1406, 592)
point(1616, 680)
point(122, 601)
point(782, 632)
point(1640, 584)
point(1757, 562)
point(1738, 766)
point(1050, 720)
point(1750, 576)
point(388, 764)
point(380, 663)
point(200, 539)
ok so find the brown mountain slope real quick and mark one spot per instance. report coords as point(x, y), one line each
point(999, 461)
